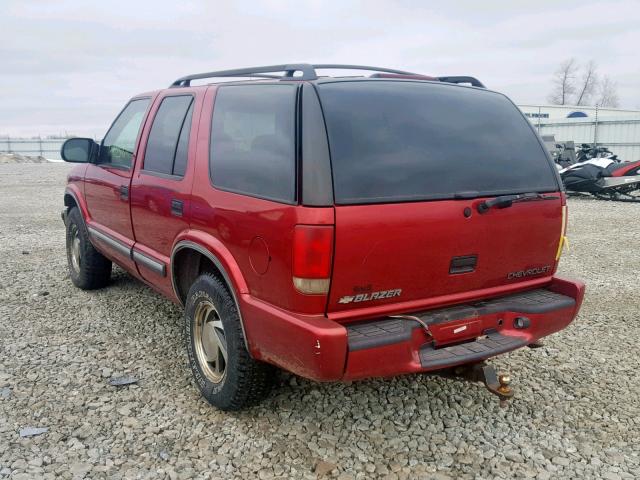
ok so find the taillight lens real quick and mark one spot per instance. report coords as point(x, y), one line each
point(312, 250)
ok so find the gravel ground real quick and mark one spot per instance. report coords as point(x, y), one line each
point(17, 158)
point(576, 414)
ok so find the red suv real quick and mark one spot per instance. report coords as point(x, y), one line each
point(336, 227)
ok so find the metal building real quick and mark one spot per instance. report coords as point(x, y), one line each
point(616, 129)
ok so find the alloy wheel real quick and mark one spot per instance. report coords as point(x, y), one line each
point(210, 342)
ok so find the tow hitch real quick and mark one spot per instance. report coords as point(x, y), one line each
point(482, 372)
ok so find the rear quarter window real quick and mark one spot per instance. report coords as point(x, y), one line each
point(167, 146)
point(252, 147)
point(407, 141)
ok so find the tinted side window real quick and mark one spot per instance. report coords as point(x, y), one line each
point(253, 141)
point(120, 140)
point(169, 136)
point(182, 150)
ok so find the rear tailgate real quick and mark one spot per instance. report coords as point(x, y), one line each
point(415, 251)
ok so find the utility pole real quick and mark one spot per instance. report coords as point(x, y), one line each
point(595, 130)
point(539, 110)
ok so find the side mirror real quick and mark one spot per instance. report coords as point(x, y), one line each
point(78, 150)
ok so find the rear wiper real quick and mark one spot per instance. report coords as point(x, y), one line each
point(505, 201)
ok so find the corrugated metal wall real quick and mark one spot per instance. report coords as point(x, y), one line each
point(546, 112)
point(621, 136)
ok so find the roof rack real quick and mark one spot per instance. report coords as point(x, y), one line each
point(474, 82)
point(308, 72)
point(336, 66)
point(412, 76)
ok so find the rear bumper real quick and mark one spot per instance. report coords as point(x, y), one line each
point(321, 349)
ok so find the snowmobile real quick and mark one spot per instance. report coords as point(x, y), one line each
point(604, 177)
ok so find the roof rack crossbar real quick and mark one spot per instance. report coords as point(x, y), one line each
point(471, 80)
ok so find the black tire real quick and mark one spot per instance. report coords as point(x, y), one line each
point(244, 381)
point(91, 269)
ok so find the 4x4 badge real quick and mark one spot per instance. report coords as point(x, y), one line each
point(367, 297)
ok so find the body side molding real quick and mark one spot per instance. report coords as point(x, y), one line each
point(151, 263)
point(115, 244)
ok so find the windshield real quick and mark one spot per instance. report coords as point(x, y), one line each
point(402, 141)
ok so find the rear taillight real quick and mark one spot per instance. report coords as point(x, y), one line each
point(312, 250)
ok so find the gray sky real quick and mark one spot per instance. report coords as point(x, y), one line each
point(67, 66)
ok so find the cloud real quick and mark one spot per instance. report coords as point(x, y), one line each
point(71, 65)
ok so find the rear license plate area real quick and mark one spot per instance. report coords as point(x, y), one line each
point(456, 331)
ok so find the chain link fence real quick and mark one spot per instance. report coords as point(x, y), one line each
point(32, 147)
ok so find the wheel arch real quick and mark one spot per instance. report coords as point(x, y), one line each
point(189, 259)
point(72, 198)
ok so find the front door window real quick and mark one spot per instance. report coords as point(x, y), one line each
point(120, 141)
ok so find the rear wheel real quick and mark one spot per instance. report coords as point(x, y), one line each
point(88, 268)
point(222, 368)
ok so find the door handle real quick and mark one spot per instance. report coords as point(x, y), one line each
point(124, 192)
point(176, 207)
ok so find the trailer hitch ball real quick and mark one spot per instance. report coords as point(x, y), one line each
point(504, 390)
point(499, 385)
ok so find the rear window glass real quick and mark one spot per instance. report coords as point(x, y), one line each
point(253, 141)
point(404, 141)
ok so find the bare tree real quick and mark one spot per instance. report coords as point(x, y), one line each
point(564, 83)
point(573, 85)
point(608, 93)
point(587, 84)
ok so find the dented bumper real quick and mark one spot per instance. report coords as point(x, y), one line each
point(321, 349)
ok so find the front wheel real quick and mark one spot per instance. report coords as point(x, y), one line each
point(222, 368)
point(88, 268)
